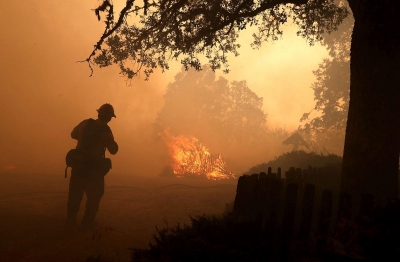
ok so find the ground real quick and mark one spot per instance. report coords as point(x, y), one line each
point(33, 209)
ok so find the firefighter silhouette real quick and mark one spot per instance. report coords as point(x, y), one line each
point(87, 177)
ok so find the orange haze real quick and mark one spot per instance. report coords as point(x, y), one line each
point(45, 93)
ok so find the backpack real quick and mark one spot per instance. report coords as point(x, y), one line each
point(79, 159)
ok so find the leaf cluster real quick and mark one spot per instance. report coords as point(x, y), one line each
point(332, 85)
point(189, 29)
point(331, 95)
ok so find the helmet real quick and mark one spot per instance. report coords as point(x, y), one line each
point(107, 109)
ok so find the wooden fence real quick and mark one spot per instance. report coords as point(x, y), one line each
point(297, 206)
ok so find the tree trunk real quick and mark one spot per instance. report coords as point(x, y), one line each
point(372, 142)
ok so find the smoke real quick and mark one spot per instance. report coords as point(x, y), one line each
point(45, 92)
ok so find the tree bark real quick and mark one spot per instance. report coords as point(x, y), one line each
point(372, 142)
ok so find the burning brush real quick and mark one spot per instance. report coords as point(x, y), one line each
point(189, 158)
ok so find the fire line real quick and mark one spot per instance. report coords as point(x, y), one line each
point(190, 158)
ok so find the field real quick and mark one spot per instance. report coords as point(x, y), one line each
point(33, 210)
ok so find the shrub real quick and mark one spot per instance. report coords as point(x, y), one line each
point(208, 238)
point(298, 159)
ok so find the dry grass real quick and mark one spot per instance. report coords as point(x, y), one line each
point(33, 210)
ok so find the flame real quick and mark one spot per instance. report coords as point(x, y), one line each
point(190, 158)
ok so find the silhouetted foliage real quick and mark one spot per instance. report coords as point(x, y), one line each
point(331, 91)
point(208, 238)
point(167, 30)
point(298, 159)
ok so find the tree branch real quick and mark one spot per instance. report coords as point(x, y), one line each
point(107, 31)
point(188, 28)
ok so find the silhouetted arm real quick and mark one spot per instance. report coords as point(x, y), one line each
point(112, 146)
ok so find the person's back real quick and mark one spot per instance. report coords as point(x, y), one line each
point(94, 137)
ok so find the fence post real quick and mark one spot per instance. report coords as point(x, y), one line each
point(288, 218)
point(274, 195)
point(252, 197)
point(262, 197)
point(299, 175)
point(308, 206)
point(325, 212)
point(290, 176)
point(246, 194)
point(240, 191)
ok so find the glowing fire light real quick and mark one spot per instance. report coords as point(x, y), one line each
point(9, 168)
point(190, 158)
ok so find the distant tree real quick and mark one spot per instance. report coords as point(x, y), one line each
point(215, 111)
point(331, 92)
point(172, 29)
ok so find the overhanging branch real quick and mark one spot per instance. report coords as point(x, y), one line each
point(188, 28)
point(107, 31)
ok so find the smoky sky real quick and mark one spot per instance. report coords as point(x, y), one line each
point(45, 92)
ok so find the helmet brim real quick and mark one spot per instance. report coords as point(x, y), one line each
point(107, 113)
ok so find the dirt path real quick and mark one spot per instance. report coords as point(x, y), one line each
point(33, 215)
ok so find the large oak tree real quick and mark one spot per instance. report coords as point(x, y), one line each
point(155, 31)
